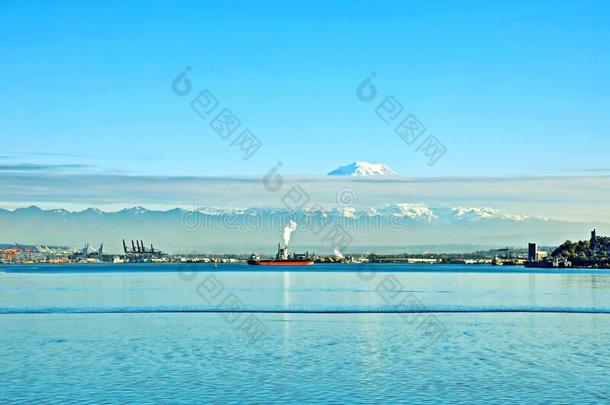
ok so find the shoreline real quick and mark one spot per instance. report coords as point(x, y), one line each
point(366, 270)
point(338, 263)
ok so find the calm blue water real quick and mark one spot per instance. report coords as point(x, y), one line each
point(399, 333)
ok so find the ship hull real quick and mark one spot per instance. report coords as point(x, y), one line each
point(280, 262)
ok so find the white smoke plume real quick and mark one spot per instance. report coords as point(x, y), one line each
point(338, 254)
point(288, 230)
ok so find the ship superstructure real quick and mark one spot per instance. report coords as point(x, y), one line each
point(282, 258)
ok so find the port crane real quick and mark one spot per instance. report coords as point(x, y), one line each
point(46, 250)
point(21, 248)
point(24, 251)
point(84, 252)
point(139, 248)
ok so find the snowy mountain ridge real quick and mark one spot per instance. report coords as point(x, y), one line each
point(412, 211)
point(362, 168)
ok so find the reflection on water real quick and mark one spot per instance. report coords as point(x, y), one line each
point(77, 288)
point(480, 358)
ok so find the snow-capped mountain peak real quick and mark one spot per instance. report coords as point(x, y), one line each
point(137, 210)
point(415, 212)
point(362, 168)
point(474, 213)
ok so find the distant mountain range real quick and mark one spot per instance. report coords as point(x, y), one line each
point(392, 228)
point(362, 168)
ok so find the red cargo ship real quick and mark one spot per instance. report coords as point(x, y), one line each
point(282, 259)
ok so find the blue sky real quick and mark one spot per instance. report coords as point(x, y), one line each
point(509, 88)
